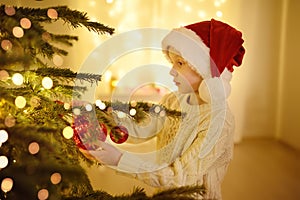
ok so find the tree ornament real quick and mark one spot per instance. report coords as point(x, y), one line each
point(87, 134)
point(119, 134)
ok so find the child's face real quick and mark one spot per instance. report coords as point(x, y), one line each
point(185, 78)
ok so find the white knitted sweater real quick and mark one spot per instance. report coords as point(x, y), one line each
point(194, 149)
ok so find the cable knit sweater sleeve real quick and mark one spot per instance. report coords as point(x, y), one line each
point(187, 168)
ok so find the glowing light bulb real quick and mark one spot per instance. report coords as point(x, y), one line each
point(9, 10)
point(25, 23)
point(102, 106)
point(88, 107)
point(17, 79)
point(6, 45)
point(3, 136)
point(52, 13)
point(7, 184)
point(33, 148)
point(133, 103)
point(55, 178)
point(43, 194)
point(219, 14)
point(68, 132)
point(9, 121)
point(47, 83)
point(109, 1)
point(20, 102)
point(3, 162)
point(132, 111)
point(67, 106)
point(76, 111)
point(3, 75)
point(18, 32)
point(121, 114)
point(157, 109)
point(98, 102)
point(58, 60)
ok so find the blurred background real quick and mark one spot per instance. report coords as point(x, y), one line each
point(265, 89)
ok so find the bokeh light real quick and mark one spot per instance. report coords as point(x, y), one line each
point(3, 75)
point(88, 107)
point(6, 45)
point(3, 136)
point(55, 178)
point(20, 102)
point(10, 121)
point(9, 10)
point(18, 32)
point(33, 148)
point(47, 83)
point(7, 184)
point(3, 162)
point(43, 194)
point(17, 79)
point(52, 13)
point(58, 60)
point(25, 23)
point(68, 132)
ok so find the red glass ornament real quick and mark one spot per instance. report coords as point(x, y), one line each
point(119, 134)
point(87, 135)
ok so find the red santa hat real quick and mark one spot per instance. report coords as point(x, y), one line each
point(212, 48)
point(209, 46)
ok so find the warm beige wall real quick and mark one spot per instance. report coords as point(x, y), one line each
point(289, 131)
point(255, 82)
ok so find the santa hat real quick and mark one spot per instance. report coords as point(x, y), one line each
point(211, 48)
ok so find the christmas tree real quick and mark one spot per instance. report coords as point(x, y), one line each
point(39, 139)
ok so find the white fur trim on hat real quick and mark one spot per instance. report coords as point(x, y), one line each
point(191, 48)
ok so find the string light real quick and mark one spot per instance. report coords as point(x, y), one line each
point(76, 111)
point(133, 103)
point(3, 162)
point(25, 23)
point(52, 13)
point(157, 109)
point(47, 83)
point(55, 178)
point(121, 114)
point(67, 106)
point(33, 148)
point(17, 79)
point(98, 102)
point(68, 132)
point(7, 184)
point(18, 32)
point(43, 194)
point(20, 102)
point(3, 75)
point(219, 13)
point(3, 136)
point(9, 10)
point(132, 111)
point(58, 60)
point(88, 107)
point(6, 45)
point(10, 121)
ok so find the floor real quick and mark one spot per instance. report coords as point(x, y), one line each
point(260, 170)
point(263, 170)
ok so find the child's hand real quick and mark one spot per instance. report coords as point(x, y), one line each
point(107, 154)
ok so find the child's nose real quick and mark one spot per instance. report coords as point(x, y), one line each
point(173, 72)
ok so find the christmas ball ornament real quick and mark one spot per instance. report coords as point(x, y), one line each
point(119, 134)
point(87, 135)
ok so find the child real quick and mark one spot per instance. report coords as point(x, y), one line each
point(197, 148)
